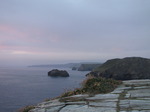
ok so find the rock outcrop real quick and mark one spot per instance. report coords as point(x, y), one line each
point(58, 73)
point(124, 69)
point(131, 96)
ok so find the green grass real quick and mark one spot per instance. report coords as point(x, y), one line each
point(94, 85)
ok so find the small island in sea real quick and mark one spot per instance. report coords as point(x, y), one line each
point(58, 73)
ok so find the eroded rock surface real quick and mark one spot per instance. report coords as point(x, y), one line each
point(131, 96)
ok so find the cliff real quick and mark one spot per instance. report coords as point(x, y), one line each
point(124, 69)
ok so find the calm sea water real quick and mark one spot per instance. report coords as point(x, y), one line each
point(26, 86)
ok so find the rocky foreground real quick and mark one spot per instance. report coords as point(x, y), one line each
point(131, 96)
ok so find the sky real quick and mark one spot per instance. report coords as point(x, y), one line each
point(61, 31)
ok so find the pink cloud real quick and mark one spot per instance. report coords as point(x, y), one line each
point(19, 33)
point(27, 40)
point(31, 34)
point(12, 32)
point(2, 47)
point(18, 50)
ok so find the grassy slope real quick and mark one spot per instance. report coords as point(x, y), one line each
point(107, 65)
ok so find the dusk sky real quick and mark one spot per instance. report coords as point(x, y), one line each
point(62, 31)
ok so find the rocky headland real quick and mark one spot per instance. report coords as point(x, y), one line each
point(129, 68)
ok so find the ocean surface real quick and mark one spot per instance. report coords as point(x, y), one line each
point(24, 86)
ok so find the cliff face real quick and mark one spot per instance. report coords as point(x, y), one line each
point(125, 69)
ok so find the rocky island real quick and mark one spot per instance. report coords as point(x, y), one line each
point(58, 73)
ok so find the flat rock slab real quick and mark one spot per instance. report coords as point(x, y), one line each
point(74, 98)
point(76, 103)
point(103, 97)
point(139, 93)
point(85, 108)
point(142, 87)
point(103, 104)
point(137, 82)
point(136, 111)
point(135, 105)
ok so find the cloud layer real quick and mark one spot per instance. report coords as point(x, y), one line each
point(50, 31)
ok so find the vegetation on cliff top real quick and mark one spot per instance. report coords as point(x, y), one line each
point(94, 85)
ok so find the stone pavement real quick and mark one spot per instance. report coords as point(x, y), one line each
point(131, 96)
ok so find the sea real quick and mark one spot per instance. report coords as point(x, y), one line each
point(23, 86)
